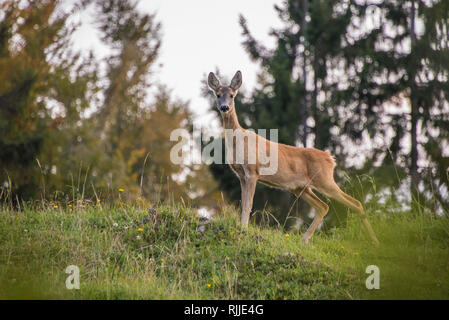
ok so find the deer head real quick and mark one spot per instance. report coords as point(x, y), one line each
point(225, 94)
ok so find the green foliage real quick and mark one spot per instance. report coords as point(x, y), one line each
point(334, 81)
point(35, 89)
point(402, 57)
point(69, 122)
point(126, 252)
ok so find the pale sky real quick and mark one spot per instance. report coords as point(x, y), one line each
point(197, 37)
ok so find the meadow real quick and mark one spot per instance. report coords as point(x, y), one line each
point(93, 95)
point(128, 251)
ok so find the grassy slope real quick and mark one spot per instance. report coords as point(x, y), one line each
point(170, 259)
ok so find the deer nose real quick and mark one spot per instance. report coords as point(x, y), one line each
point(224, 108)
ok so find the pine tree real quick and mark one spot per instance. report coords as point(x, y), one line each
point(134, 39)
point(393, 62)
point(135, 130)
point(42, 93)
point(293, 74)
point(348, 64)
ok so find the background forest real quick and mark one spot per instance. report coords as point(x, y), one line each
point(367, 80)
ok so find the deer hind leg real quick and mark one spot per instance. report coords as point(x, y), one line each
point(320, 207)
point(336, 193)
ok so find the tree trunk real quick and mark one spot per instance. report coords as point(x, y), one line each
point(414, 116)
point(304, 106)
point(314, 104)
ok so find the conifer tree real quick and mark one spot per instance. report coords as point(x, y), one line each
point(43, 90)
point(353, 66)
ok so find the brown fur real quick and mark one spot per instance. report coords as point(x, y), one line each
point(300, 170)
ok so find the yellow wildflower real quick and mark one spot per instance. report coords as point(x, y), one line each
point(121, 190)
point(209, 285)
point(140, 229)
point(286, 235)
point(342, 246)
point(55, 206)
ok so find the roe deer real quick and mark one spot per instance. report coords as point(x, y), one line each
point(298, 170)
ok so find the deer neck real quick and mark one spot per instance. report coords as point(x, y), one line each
point(230, 120)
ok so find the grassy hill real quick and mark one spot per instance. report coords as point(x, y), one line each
point(126, 252)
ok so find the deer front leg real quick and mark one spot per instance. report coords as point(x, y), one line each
point(248, 187)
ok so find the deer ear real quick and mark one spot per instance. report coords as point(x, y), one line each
point(213, 82)
point(236, 81)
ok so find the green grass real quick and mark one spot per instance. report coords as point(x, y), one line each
point(170, 259)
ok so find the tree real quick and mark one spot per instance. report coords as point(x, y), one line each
point(134, 131)
point(393, 62)
point(284, 99)
point(352, 65)
point(134, 40)
point(43, 90)
point(70, 133)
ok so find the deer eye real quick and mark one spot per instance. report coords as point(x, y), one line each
point(218, 96)
point(232, 96)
